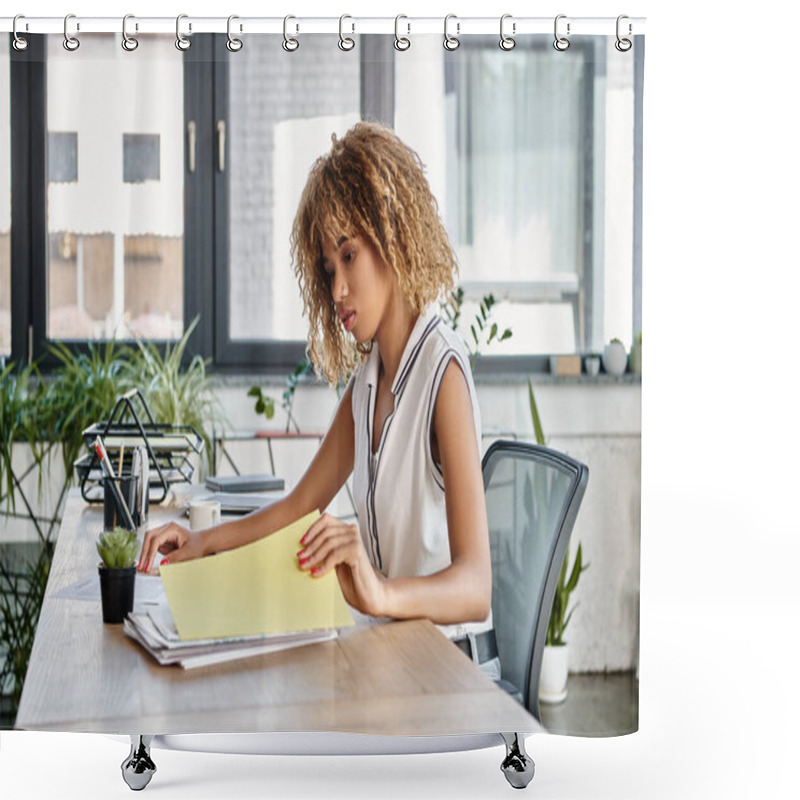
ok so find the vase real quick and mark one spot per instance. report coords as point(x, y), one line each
point(615, 359)
point(553, 677)
point(116, 592)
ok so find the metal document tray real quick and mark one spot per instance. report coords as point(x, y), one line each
point(169, 449)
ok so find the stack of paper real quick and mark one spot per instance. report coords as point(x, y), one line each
point(156, 632)
point(254, 599)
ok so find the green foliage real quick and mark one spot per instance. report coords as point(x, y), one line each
point(175, 395)
point(118, 548)
point(21, 420)
point(264, 403)
point(537, 423)
point(559, 618)
point(483, 331)
point(83, 390)
point(21, 596)
point(53, 413)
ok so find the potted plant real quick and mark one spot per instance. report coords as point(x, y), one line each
point(555, 662)
point(118, 550)
point(636, 354)
point(592, 364)
point(615, 359)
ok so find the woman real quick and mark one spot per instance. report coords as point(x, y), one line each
point(371, 255)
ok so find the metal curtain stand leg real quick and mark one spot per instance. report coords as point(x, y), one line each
point(518, 766)
point(138, 768)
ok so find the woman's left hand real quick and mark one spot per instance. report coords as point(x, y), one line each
point(332, 544)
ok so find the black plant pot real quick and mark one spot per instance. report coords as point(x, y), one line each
point(116, 592)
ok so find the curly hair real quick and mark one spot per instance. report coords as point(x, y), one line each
point(370, 185)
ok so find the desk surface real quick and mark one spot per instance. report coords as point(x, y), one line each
point(402, 678)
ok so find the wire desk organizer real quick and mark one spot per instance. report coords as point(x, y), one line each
point(169, 449)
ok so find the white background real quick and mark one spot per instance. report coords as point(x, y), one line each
point(720, 604)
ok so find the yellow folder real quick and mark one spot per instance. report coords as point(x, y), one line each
point(255, 589)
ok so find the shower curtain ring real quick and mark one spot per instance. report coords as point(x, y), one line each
point(401, 42)
point(289, 43)
point(129, 43)
point(623, 44)
point(234, 45)
point(181, 42)
point(507, 42)
point(71, 43)
point(345, 42)
point(451, 42)
point(20, 43)
point(561, 43)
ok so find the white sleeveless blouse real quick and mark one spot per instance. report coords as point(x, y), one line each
point(399, 490)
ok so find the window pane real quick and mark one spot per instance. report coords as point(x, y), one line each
point(115, 190)
point(283, 110)
point(5, 200)
point(530, 155)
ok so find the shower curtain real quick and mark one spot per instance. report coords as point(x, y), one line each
point(171, 180)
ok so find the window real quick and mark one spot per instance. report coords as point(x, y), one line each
point(532, 160)
point(172, 182)
point(62, 157)
point(141, 157)
point(115, 223)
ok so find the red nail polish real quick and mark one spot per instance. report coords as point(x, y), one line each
point(315, 570)
point(164, 561)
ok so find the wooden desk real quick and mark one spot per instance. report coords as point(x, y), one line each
point(401, 678)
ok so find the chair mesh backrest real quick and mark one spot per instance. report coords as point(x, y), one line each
point(532, 498)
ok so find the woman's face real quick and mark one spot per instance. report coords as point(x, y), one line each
point(361, 285)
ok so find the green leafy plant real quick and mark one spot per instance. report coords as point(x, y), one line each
point(559, 616)
point(83, 390)
point(538, 432)
point(264, 403)
point(21, 596)
point(176, 395)
point(118, 548)
point(483, 329)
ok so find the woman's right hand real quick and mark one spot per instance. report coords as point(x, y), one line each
point(172, 540)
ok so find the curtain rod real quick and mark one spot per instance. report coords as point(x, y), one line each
point(461, 26)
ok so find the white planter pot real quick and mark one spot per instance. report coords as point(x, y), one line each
point(615, 359)
point(553, 678)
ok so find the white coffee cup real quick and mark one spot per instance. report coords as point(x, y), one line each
point(204, 514)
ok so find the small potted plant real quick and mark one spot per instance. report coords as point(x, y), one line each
point(118, 550)
point(592, 364)
point(555, 662)
point(615, 359)
point(636, 355)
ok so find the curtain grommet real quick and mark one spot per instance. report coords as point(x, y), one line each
point(20, 43)
point(233, 44)
point(623, 44)
point(401, 43)
point(451, 42)
point(181, 42)
point(129, 43)
point(507, 42)
point(561, 43)
point(290, 44)
point(71, 43)
point(345, 42)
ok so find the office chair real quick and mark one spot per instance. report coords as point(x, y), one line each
point(532, 499)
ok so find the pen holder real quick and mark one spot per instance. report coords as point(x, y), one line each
point(113, 517)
